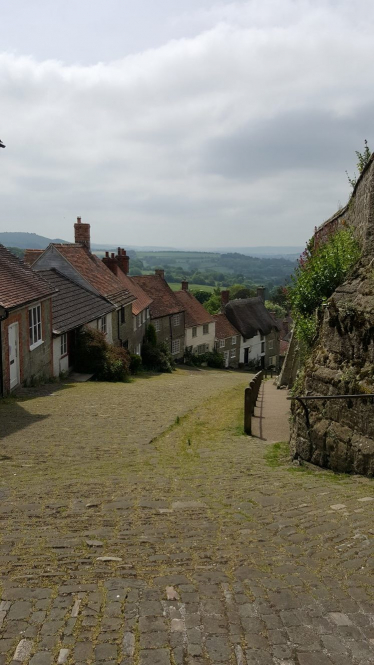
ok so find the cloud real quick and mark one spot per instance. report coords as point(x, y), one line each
point(242, 132)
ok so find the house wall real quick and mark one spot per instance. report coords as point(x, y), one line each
point(169, 332)
point(95, 324)
point(272, 349)
point(230, 347)
point(35, 364)
point(60, 363)
point(200, 338)
point(139, 324)
point(254, 344)
point(122, 332)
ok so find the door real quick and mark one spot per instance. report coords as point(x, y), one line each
point(227, 358)
point(246, 352)
point(13, 341)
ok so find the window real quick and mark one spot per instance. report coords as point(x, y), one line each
point(272, 360)
point(270, 345)
point(194, 331)
point(64, 344)
point(157, 324)
point(134, 322)
point(205, 328)
point(221, 343)
point(102, 324)
point(201, 349)
point(175, 346)
point(122, 315)
point(262, 347)
point(125, 344)
point(35, 326)
point(176, 319)
point(147, 313)
point(139, 320)
point(233, 353)
point(233, 340)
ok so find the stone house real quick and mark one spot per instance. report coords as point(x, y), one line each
point(75, 261)
point(227, 340)
point(119, 265)
point(199, 324)
point(166, 312)
point(25, 324)
point(259, 345)
point(73, 307)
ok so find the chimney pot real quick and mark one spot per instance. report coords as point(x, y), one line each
point(184, 285)
point(123, 260)
point(225, 297)
point(160, 272)
point(107, 255)
point(79, 220)
point(82, 233)
point(112, 255)
point(261, 293)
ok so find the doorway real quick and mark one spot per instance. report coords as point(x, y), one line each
point(13, 341)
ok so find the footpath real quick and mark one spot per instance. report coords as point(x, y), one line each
point(271, 419)
point(139, 526)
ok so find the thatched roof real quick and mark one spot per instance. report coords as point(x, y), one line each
point(250, 316)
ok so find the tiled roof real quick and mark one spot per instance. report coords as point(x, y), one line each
point(19, 285)
point(164, 300)
point(96, 273)
point(224, 328)
point(31, 255)
point(73, 305)
point(142, 298)
point(195, 313)
point(250, 316)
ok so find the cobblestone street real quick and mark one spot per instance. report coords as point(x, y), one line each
point(140, 527)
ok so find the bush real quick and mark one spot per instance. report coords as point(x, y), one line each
point(95, 356)
point(155, 357)
point(211, 358)
point(135, 363)
point(215, 359)
point(321, 269)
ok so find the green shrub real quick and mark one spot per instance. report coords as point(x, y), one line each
point(135, 363)
point(215, 359)
point(322, 267)
point(156, 357)
point(95, 356)
point(211, 358)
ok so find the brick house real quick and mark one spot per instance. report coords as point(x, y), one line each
point(199, 324)
point(73, 307)
point(166, 312)
point(227, 340)
point(25, 324)
point(119, 265)
point(259, 344)
point(76, 262)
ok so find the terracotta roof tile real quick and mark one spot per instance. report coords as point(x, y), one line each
point(31, 255)
point(195, 313)
point(143, 300)
point(164, 299)
point(224, 328)
point(19, 284)
point(73, 305)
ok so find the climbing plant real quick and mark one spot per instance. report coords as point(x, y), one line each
point(362, 160)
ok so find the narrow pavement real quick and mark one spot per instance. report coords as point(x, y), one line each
point(140, 527)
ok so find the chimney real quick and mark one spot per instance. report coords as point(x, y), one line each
point(123, 260)
point(184, 285)
point(160, 272)
point(261, 293)
point(285, 326)
point(225, 297)
point(110, 262)
point(82, 233)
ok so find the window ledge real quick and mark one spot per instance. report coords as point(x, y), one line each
point(35, 346)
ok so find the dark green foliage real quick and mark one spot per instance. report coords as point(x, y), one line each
point(213, 305)
point(211, 358)
point(323, 266)
point(202, 296)
point(95, 356)
point(362, 159)
point(17, 251)
point(156, 357)
point(135, 363)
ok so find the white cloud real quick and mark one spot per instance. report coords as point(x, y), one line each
point(244, 130)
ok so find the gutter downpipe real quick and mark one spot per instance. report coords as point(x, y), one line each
point(2, 318)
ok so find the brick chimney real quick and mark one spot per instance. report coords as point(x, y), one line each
point(82, 233)
point(123, 260)
point(160, 272)
point(110, 262)
point(184, 285)
point(225, 297)
point(261, 293)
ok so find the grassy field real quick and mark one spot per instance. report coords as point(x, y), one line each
point(176, 286)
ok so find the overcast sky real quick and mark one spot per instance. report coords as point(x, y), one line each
point(182, 122)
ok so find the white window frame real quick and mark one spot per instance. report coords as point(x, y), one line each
point(233, 340)
point(140, 320)
point(176, 320)
point(134, 322)
point(102, 324)
point(64, 345)
point(157, 324)
point(222, 343)
point(201, 349)
point(206, 329)
point(35, 326)
point(194, 331)
point(233, 353)
point(175, 346)
point(270, 345)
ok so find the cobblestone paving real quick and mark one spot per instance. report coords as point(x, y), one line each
point(140, 527)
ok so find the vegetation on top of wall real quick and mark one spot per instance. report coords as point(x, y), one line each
point(323, 266)
point(362, 159)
